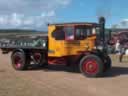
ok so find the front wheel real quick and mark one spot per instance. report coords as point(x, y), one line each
point(91, 66)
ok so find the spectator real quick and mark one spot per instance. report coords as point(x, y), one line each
point(123, 50)
point(122, 53)
point(117, 46)
point(126, 52)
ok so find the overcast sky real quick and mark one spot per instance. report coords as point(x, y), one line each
point(29, 14)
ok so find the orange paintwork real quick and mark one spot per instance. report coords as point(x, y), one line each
point(61, 48)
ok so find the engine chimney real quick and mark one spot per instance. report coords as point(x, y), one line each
point(102, 28)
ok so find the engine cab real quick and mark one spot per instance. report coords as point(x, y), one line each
point(70, 39)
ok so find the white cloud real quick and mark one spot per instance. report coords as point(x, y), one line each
point(48, 14)
point(15, 19)
point(51, 13)
point(122, 24)
point(2, 20)
point(29, 13)
point(125, 20)
point(30, 22)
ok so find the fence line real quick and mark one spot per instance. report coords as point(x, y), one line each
point(116, 58)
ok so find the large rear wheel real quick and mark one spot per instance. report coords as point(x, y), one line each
point(91, 66)
point(19, 60)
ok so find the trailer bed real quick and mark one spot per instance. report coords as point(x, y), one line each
point(24, 42)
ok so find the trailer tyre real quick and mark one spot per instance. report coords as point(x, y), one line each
point(91, 66)
point(19, 60)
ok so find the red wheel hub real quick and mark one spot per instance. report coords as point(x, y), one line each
point(18, 61)
point(90, 66)
point(37, 57)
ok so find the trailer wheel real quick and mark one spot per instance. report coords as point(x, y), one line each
point(91, 66)
point(107, 63)
point(19, 60)
point(40, 59)
point(44, 60)
point(37, 58)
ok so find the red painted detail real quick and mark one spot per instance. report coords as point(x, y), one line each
point(63, 60)
point(90, 66)
point(59, 60)
point(83, 52)
point(17, 61)
point(74, 59)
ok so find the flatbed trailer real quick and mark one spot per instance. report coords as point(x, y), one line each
point(66, 43)
point(8, 44)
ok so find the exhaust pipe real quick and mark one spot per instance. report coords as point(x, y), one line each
point(102, 29)
point(102, 34)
